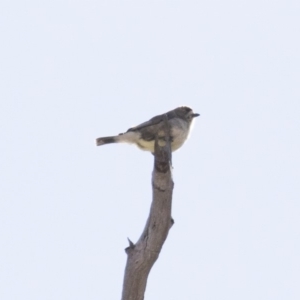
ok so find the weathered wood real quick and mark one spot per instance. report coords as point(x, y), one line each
point(142, 255)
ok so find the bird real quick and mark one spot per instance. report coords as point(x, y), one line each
point(179, 119)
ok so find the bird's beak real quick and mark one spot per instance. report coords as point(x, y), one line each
point(195, 115)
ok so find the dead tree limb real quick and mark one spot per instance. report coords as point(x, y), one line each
point(142, 255)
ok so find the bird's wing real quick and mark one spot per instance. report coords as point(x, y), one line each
point(155, 120)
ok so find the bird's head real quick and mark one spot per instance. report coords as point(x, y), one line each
point(186, 113)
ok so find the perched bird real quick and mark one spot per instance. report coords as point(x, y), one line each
point(143, 135)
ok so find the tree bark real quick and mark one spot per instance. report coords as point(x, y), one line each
point(142, 255)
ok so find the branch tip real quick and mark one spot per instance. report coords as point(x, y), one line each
point(131, 244)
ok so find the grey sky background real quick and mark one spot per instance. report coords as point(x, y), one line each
point(75, 70)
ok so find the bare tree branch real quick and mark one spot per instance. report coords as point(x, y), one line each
point(142, 255)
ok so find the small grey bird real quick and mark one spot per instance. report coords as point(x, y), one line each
point(143, 135)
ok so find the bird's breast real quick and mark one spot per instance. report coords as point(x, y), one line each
point(179, 134)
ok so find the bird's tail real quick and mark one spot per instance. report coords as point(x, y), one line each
point(106, 140)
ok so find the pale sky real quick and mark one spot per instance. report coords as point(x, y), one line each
point(72, 71)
